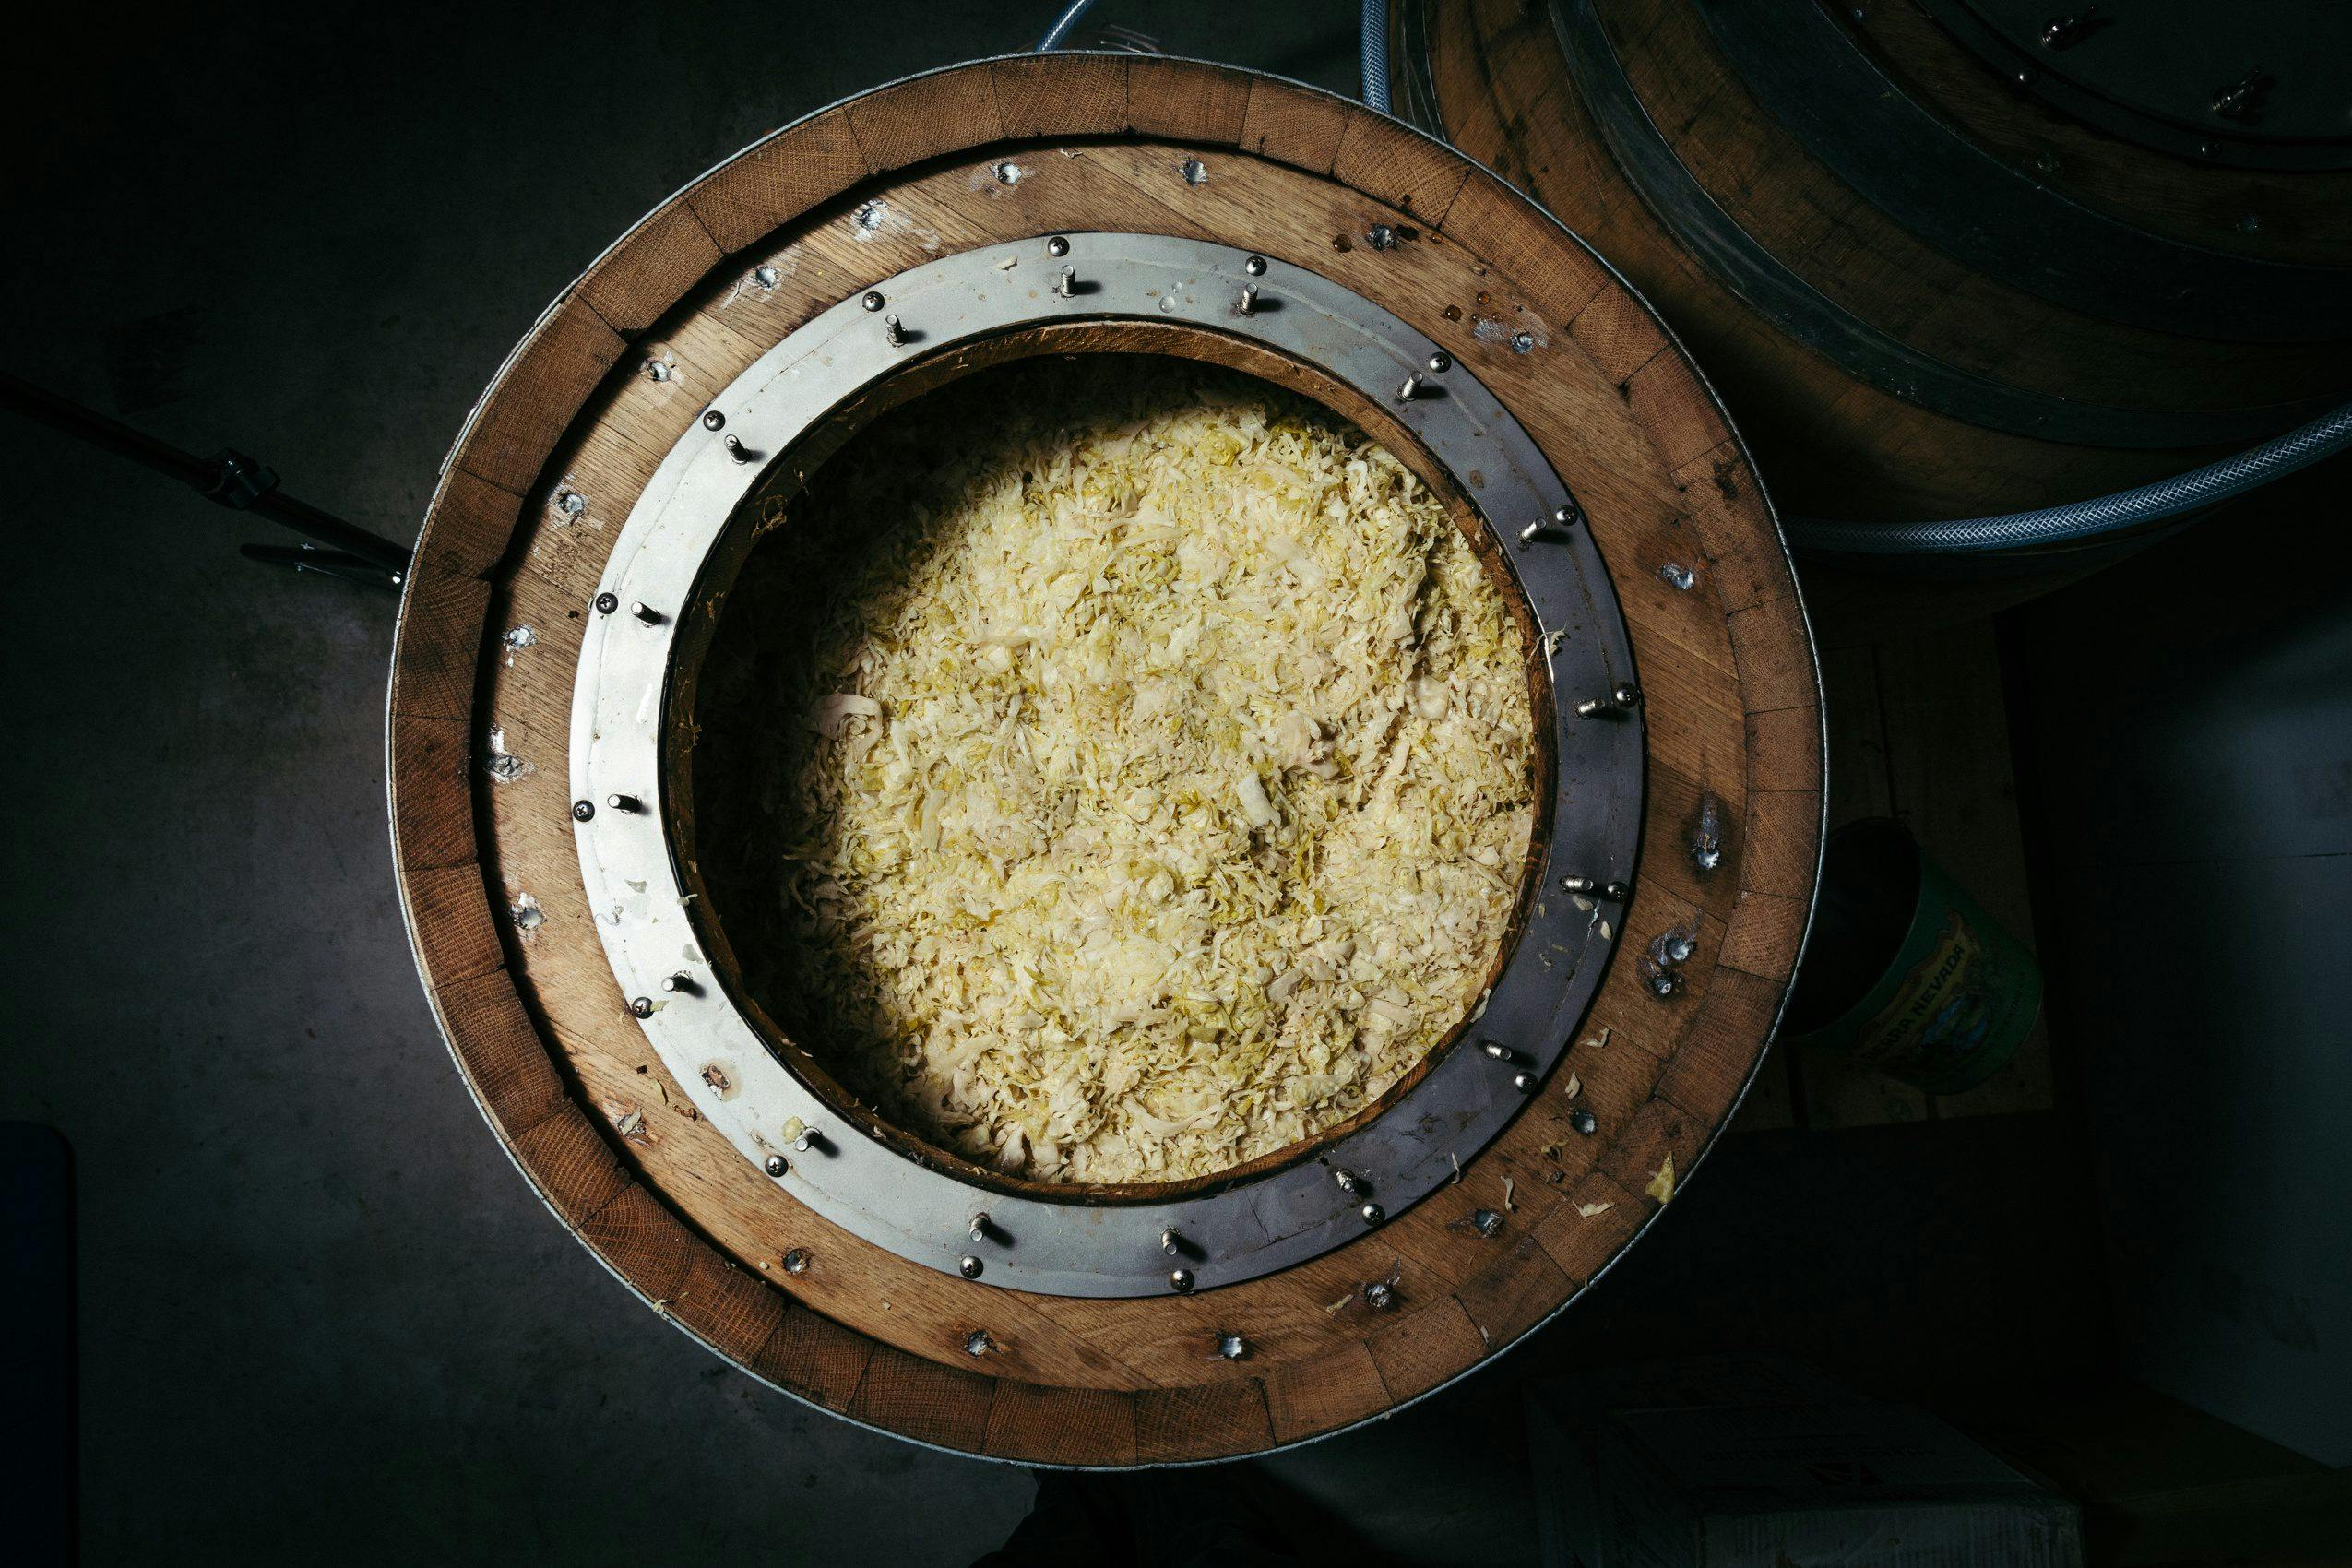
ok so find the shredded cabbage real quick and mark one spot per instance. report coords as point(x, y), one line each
point(1166, 779)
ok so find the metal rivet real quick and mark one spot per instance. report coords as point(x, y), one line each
point(1373, 1214)
point(1617, 892)
point(1380, 1295)
point(1584, 1121)
point(1057, 246)
point(681, 982)
point(873, 300)
point(1487, 1221)
point(1410, 390)
point(1441, 362)
point(713, 420)
point(777, 1165)
point(1679, 576)
point(796, 1261)
point(1347, 1179)
point(976, 1342)
point(892, 332)
point(1248, 304)
point(1500, 1052)
point(1523, 342)
point(1524, 1082)
point(1381, 237)
point(1567, 516)
point(642, 1007)
point(606, 604)
point(624, 803)
point(1066, 285)
point(1626, 696)
point(1180, 1279)
point(765, 276)
point(646, 613)
point(1578, 884)
point(1254, 267)
point(980, 1227)
point(1528, 534)
point(968, 1266)
point(738, 451)
point(583, 810)
point(1592, 705)
point(808, 1139)
point(656, 370)
point(1172, 1244)
point(571, 503)
point(1232, 1346)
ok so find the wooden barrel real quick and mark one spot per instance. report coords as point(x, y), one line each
point(1926, 285)
point(614, 405)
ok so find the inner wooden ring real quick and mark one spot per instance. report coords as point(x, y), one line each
point(791, 472)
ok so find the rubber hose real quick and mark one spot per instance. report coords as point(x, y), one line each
point(2193, 491)
point(1061, 26)
point(1375, 52)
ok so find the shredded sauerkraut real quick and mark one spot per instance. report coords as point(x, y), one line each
point(1166, 780)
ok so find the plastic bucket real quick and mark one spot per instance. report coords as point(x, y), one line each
point(1904, 973)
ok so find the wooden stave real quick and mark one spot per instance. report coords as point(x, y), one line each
point(468, 955)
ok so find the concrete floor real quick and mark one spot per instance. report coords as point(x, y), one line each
point(320, 1313)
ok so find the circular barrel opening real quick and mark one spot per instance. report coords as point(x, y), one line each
point(1108, 762)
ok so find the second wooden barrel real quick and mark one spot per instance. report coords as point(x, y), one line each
point(1927, 284)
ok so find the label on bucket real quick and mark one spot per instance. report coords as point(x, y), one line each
point(1960, 1007)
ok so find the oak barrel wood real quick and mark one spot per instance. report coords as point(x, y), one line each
point(478, 721)
point(1516, 83)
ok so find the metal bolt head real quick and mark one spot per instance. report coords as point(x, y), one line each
point(583, 810)
point(1254, 267)
point(1232, 1346)
point(713, 420)
point(777, 1165)
point(656, 370)
point(571, 503)
point(1381, 237)
point(873, 300)
point(796, 1261)
point(1584, 1121)
point(976, 1342)
point(1181, 1281)
point(1487, 1221)
point(1578, 884)
point(1347, 1179)
point(765, 276)
point(1524, 1082)
point(606, 604)
point(980, 1227)
point(968, 1266)
point(1373, 1214)
point(1441, 362)
point(642, 1007)
point(1380, 1295)
point(1057, 246)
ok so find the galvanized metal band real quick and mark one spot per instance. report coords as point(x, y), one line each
point(922, 1211)
point(1812, 74)
point(2111, 58)
point(1748, 269)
